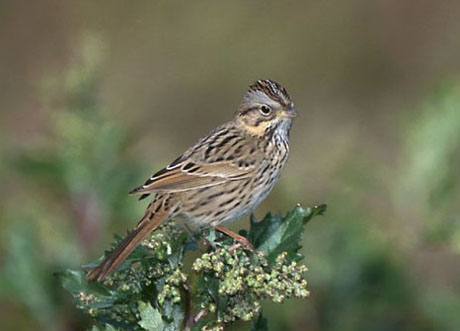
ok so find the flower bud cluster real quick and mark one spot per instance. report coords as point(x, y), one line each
point(245, 278)
point(86, 298)
point(172, 288)
point(218, 327)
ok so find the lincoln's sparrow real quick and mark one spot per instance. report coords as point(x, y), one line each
point(223, 176)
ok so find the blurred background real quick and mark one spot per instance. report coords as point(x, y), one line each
point(96, 95)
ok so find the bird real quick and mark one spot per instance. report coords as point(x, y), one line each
point(221, 177)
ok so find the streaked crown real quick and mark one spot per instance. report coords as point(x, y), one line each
point(273, 90)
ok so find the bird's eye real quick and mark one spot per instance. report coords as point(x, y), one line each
point(265, 110)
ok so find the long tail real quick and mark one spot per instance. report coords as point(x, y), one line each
point(147, 224)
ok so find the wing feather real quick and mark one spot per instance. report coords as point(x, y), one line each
point(192, 176)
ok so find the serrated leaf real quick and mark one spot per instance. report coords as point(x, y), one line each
point(276, 234)
point(75, 283)
point(150, 318)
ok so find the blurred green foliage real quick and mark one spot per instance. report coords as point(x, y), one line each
point(430, 179)
point(95, 96)
point(74, 182)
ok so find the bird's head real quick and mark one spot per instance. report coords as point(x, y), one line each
point(266, 109)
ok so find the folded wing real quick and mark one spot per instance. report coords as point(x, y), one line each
point(189, 175)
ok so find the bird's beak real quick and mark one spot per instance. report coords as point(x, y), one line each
point(290, 113)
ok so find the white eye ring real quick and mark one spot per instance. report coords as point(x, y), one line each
point(265, 110)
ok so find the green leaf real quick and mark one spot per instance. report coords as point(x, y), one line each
point(109, 327)
point(276, 234)
point(75, 283)
point(150, 318)
point(259, 323)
